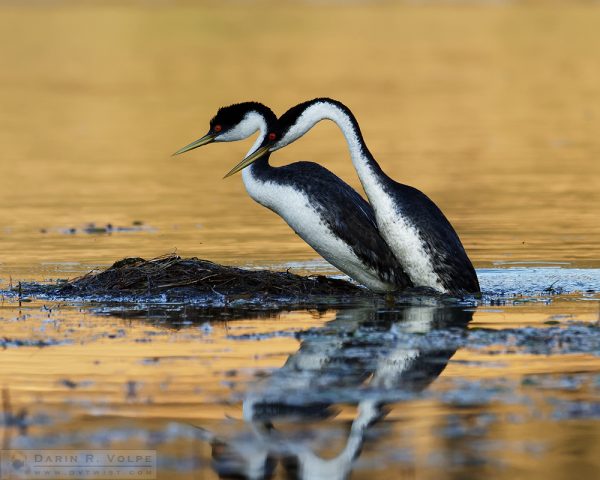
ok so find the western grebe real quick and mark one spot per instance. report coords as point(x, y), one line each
point(322, 209)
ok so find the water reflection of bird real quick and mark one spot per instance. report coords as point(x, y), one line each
point(363, 357)
point(322, 209)
point(419, 234)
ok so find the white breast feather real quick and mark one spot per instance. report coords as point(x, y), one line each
point(295, 208)
point(403, 238)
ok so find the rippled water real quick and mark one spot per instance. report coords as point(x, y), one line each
point(416, 390)
point(492, 110)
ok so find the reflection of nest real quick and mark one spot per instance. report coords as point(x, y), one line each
point(173, 274)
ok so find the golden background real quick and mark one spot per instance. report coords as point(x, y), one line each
point(493, 110)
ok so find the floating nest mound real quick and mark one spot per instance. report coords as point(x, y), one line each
point(188, 277)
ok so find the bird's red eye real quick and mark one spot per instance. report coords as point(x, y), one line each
point(217, 128)
point(272, 136)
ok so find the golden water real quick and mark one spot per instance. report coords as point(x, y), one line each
point(142, 384)
point(493, 111)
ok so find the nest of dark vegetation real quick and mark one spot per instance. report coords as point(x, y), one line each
point(178, 276)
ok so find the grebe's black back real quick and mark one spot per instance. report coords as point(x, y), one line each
point(322, 209)
point(421, 237)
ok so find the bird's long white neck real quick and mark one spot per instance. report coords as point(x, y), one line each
point(259, 139)
point(252, 123)
point(364, 163)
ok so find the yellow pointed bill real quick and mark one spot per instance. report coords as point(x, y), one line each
point(205, 140)
point(248, 160)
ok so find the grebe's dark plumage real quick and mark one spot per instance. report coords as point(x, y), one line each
point(449, 258)
point(416, 230)
point(322, 209)
point(347, 215)
point(345, 212)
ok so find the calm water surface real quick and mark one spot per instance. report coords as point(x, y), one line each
point(493, 111)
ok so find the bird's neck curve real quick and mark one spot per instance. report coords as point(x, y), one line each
point(362, 159)
point(254, 122)
point(250, 173)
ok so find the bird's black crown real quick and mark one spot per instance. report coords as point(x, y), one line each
point(229, 117)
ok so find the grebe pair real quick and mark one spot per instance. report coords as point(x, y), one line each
point(401, 239)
